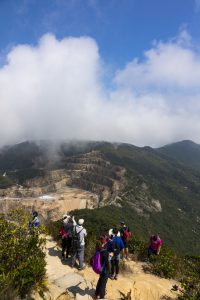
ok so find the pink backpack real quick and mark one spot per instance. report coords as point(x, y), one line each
point(96, 263)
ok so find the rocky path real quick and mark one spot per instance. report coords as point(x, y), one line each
point(65, 283)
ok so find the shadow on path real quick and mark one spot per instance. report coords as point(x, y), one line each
point(54, 252)
point(83, 292)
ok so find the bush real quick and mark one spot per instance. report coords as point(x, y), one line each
point(138, 248)
point(164, 264)
point(21, 254)
point(191, 279)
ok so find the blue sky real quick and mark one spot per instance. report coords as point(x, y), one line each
point(118, 70)
point(123, 29)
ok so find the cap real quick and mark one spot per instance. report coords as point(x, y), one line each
point(80, 221)
point(65, 216)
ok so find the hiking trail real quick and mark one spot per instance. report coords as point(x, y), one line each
point(65, 283)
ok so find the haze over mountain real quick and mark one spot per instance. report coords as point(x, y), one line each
point(153, 191)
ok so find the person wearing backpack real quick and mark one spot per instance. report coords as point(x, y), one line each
point(101, 266)
point(125, 235)
point(69, 225)
point(114, 248)
point(78, 243)
point(64, 233)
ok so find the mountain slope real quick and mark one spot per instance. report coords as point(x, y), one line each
point(186, 152)
point(150, 190)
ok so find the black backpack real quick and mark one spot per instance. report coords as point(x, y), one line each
point(115, 249)
point(76, 241)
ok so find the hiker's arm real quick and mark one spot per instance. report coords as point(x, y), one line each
point(158, 251)
point(74, 222)
point(159, 248)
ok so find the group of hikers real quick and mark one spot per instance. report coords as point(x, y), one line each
point(110, 248)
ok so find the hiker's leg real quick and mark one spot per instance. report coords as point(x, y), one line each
point(63, 247)
point(117, 266)
point(74, 255)
point(150, 251)
point(125, 249)
point(126, 252)
point(122, 252)
point(112, 267)
point(102, 290)
point(81, 256)
point(69, 243)
point(98, 287)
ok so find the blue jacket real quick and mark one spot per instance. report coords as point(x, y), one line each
point(118, 240)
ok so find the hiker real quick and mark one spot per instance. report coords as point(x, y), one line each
point(69, 225)
point(155, 245)
point(101, 266)
point(114, 248)
point(78, 243)
point(35, 220)
point(104, 238)
point(125, 236)
point(64, 233)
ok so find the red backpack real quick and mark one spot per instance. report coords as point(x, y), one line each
point(126, 234)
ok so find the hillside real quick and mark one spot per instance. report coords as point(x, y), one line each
point(152, 191)
point(186, 152)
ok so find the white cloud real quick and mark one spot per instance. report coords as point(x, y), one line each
point(56, 90)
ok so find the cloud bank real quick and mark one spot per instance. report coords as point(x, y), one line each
point(58, 90)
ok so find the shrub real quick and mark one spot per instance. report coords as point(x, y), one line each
point(191, 279)
point(138, 248)
point(163, 265)
point(21, 254)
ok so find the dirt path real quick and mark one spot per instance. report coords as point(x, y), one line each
point(81, 285)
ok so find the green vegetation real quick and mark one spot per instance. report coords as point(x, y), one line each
point(191, 278)
point(165, 265)
point(5, 182)
point(175, 186)
point(22, 256)
point(186, 152)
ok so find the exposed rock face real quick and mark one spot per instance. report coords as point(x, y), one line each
point(84, 181)
point(53, 206)
point(140, 199)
